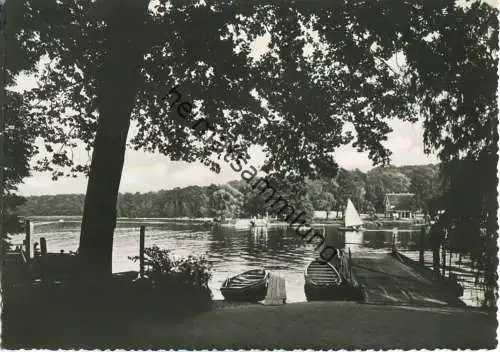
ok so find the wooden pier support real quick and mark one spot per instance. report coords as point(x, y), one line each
point(422, 246)
point(449, 262)
point(36, 250)
point(394, 233)
point(142, 235)
point(350, 265)
point(443, 249)
point(43, 246)
point(27, 241)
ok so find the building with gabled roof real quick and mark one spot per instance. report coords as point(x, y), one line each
point(400, 205)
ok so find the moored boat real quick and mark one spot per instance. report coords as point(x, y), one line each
point(259, 222)
point(332, 281)
point(322, 281)
point(249, 286)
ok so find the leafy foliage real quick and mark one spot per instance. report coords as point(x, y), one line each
point(453, 77)
point(325, 75)
point(183, 275)
point(208, 52)
point(18, 137)
point(470, 219)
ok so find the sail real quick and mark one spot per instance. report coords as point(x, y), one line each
point(351, 215)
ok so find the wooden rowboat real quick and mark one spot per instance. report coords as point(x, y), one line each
point(250, 286)
point(323, 281)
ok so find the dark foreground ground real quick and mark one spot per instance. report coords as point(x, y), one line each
point(313, 325)
point(404, 309)
point(323, 325)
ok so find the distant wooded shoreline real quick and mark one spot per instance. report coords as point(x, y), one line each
point(237, 199)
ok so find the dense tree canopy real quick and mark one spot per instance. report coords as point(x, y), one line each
point(18, 147)
point(109, 62)
point(238, 199)
point(453, 76)
point(208, 53)
point(326, 78)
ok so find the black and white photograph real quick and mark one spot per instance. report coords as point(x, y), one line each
point(249, 174)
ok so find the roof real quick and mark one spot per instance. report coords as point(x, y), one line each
point(399, 201)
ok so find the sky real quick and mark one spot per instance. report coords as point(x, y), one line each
point(143, 172)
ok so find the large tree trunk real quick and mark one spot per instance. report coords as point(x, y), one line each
point(119, 81)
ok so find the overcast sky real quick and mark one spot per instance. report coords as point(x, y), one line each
point(144, 172)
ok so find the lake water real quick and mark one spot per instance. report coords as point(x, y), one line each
point(233, 250)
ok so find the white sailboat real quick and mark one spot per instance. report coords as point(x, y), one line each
point(352, 220)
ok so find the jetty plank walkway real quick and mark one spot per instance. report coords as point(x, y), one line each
point(390, 281)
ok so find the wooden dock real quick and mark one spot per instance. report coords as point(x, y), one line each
point(390, 279)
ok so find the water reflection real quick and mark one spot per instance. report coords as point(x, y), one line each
point(260, 235)
point(354, 241)
point(232, 250)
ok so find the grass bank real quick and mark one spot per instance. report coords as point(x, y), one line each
point(90, 315)
point(322, 325)
point(317, 325)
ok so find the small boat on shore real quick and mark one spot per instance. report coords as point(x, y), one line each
point(217, 221)
point(322, 281)
point(352, 220)
point(259, 222)
point(249, 286)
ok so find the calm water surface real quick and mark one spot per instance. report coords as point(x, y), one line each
point(233, 250)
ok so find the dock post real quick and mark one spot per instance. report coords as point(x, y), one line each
point(350, 265)
point(43, 246)
point(27, 240)
point(394, 233)
point(450, 253)
point(444, 260)
point(422, 246)
point(141, 250)
point(435, 260)
point(36, 250)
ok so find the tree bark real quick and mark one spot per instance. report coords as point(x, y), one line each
point(119, 81)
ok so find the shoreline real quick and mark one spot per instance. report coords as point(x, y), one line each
point(314, 222)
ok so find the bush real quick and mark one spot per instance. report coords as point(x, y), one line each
point(180, 279)
point(97, 314)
